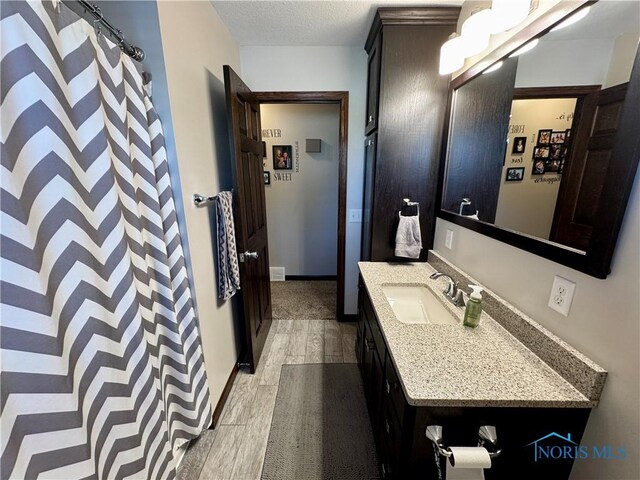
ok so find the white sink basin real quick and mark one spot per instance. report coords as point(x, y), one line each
point(414, 304)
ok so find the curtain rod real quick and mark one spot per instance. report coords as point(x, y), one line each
point(134, 52)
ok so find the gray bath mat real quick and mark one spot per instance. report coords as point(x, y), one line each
point(320, 427)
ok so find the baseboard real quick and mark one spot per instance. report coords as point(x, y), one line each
point(348, 317)
point(311, 277)
point(224, 397)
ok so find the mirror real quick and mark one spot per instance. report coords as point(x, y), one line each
point(540, 152)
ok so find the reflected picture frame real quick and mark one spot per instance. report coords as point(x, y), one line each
point(514, 174)
point(519, 145)
point(544, 137)
point(558, 137)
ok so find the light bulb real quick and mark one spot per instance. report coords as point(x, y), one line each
point(475, 32)
point(451, 56)
point(507, 14)
point(576, 17)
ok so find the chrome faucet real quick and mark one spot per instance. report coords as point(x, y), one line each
point(465, 201)
point(452, 292)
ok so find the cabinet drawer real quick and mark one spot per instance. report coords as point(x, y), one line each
point(393, 389)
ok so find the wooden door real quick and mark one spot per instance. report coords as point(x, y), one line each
point(250, 214)
point(585, 173)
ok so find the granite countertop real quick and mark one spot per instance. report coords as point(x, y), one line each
point(452, 365)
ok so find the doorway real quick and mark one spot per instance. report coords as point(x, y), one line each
point(295, 172)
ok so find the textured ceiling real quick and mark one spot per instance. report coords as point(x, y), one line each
point(306, 23)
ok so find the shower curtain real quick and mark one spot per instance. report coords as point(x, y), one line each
point(102, 372)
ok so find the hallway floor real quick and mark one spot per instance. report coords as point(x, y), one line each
point(236, 448)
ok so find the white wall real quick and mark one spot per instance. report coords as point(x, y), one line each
point(322, 69)
point(196, 46)
point(604, 323)
point(302, 211)
point(624, 51)
point(562, 62)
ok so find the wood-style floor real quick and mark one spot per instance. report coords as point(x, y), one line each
point(236, 448)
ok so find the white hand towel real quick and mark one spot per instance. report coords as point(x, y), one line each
point(408, 238)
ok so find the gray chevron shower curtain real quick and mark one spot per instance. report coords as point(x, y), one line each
point(102, 372)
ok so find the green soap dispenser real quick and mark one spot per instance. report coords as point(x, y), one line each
point(474, 307)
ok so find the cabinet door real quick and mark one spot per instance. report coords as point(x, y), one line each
point(360, 338)
point(387, 468)
point(373, 86)
point(367, 362)
point(370, 145)
point(375, 393)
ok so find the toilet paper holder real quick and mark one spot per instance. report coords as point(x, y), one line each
point(487, 438)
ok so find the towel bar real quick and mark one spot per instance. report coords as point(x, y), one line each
point(202, 201)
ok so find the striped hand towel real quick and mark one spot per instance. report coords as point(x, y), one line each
point(228, 269)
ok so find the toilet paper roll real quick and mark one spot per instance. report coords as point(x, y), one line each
point(470, 457)
point(467, 463)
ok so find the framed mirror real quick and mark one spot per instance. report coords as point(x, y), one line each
point(543, 140)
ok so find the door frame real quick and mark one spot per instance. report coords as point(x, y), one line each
point(342, 99)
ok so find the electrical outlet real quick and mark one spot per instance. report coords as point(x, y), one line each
point(355, 216)
point(448, 242)
point(561, 295)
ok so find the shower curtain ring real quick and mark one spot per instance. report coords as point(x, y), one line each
point(98, 28)
point(121, 41)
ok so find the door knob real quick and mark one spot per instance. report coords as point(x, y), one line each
point(248, 255)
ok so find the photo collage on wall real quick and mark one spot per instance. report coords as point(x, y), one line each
point(550, 151)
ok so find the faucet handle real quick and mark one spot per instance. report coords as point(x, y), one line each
point(459, 299)
point(452, 288)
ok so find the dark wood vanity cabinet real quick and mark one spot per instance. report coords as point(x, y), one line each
point(406, 103)
point(403, 450)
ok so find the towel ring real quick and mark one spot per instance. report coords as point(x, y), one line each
point(408, 203)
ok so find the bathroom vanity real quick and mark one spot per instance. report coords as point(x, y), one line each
point(428, 369)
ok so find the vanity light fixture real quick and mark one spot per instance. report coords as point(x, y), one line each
point(493, 67)
point(576, 17)
point(451, 55)
point(475, 32)
point(478, 28)
point(525, 48)
point(506, 14)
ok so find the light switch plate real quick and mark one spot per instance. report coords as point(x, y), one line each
point(561, 295)
point(355, 216)
point(448, 242)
